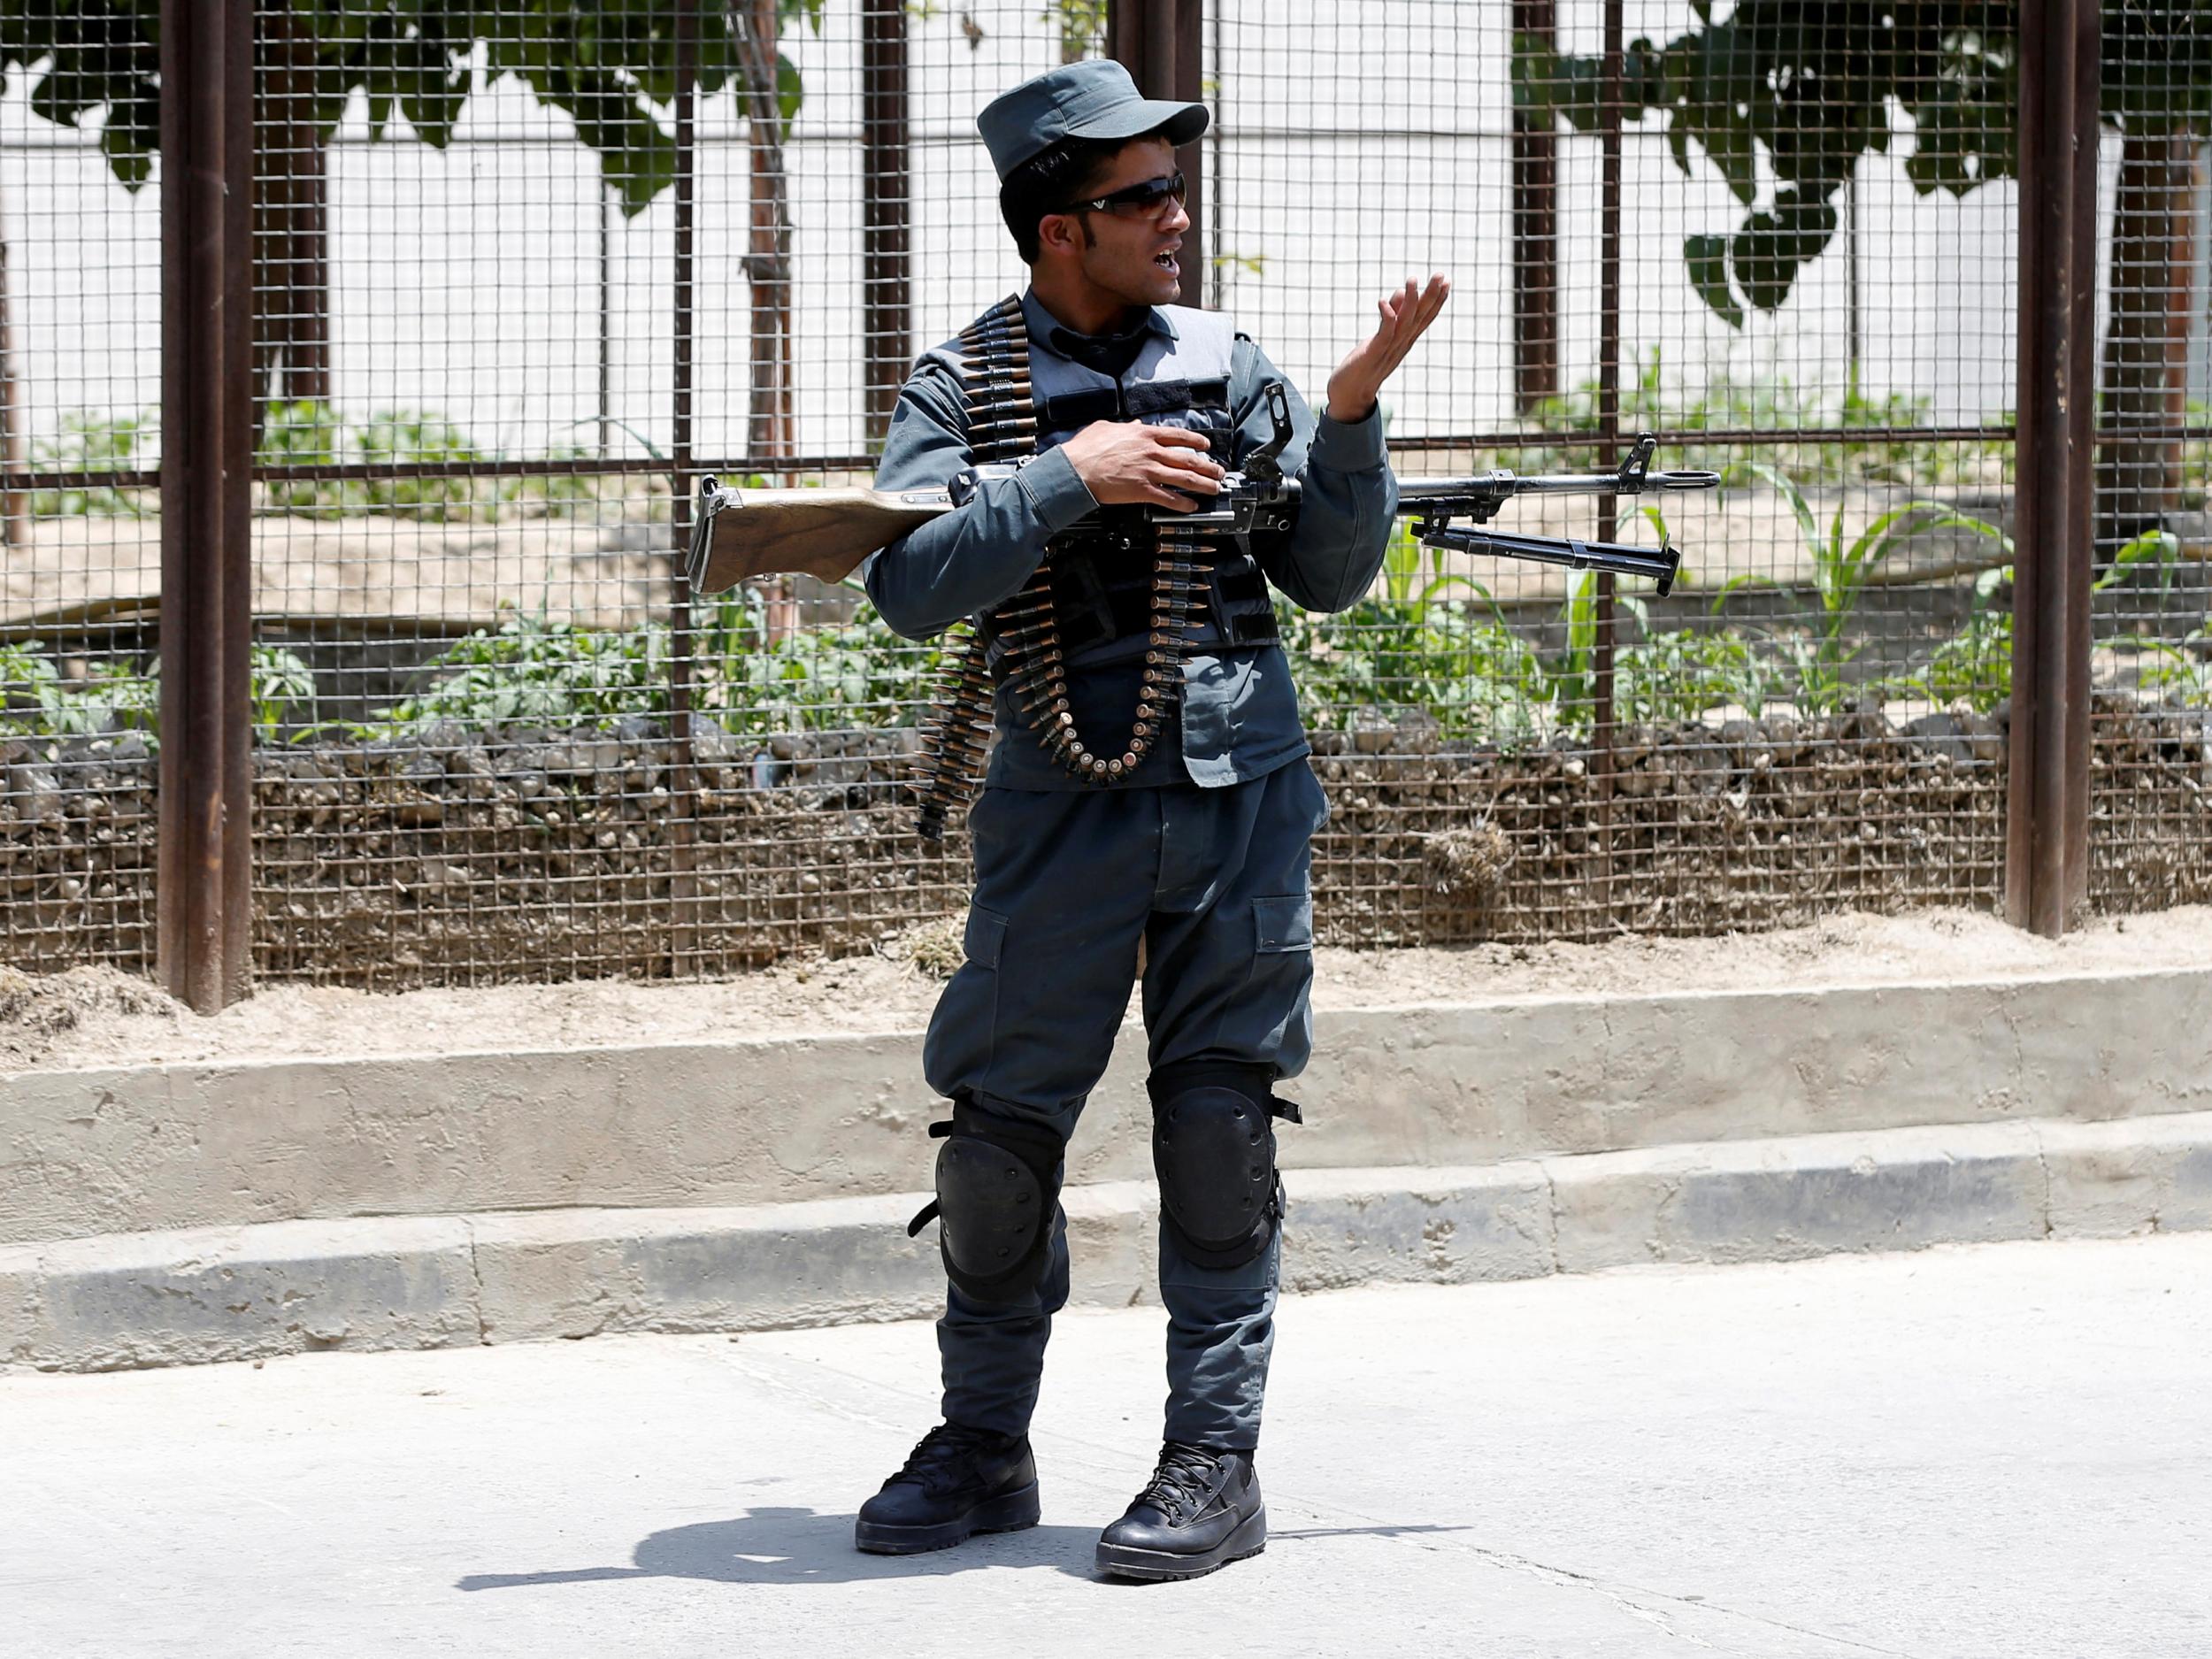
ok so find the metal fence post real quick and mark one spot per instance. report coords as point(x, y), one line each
point(2047, 788)
point(2081, 427)
point(205, 903)
point(1162, 43)
point(1608, 437)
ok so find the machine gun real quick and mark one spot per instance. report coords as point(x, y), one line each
point(740, 535)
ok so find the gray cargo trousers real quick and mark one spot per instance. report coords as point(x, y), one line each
point(1215, 883)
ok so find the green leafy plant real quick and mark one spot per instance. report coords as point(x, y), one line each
point(756, 680)
point(309, 431)
point(416, 438)
point(1974, 667)
point(280, 678)
point(92, 442)
point(1843, 567)
point(1774, 404)
point(1451, 659)
point(37, 701)
point(536, 671)
point(2182, 672)
point(1681, 673)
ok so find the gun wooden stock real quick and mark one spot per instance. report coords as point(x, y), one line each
point(742, 533)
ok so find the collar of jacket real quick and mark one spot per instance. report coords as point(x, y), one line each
point(1044, 326)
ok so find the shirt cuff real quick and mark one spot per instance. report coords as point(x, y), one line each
point(1056, 490)
point(1355, 448)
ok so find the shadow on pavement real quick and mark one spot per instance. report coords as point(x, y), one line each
point(795, 1546)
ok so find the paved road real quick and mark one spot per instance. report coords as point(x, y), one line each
point(2000, 1450)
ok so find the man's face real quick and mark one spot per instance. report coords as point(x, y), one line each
point(1135, 256)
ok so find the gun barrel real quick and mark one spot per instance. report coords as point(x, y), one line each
point(1658, 564)
point(1441, 493)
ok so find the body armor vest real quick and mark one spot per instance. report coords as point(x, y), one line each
point(1122, 588)
point(1100, 582)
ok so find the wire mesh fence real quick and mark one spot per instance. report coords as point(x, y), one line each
point(520, 278)
point(80, 391)
point(2151, 719)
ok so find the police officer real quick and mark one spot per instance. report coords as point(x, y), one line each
point(1200, 854)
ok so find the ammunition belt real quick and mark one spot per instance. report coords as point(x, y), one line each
point(1001, 427)
point(1093, 609)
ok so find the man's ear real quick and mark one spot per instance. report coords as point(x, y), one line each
point(1062, 233)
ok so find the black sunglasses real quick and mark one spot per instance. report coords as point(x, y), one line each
point(1137, 200)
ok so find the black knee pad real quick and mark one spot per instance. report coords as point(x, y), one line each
point(1213, 1147)
point(998, 1187)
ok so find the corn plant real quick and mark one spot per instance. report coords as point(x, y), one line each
point(1974, 667)
point(1843, 568)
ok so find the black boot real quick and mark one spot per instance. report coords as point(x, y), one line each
point(1202, 1510)
point(959, 1481)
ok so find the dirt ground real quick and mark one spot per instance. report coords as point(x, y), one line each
point(98, 1017)
point(607, 570)
point(608, 566)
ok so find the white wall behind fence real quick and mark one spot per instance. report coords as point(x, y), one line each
point(1358, 144)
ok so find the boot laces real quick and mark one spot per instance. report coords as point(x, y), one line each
point(1184, 1482)
point(938, 1461)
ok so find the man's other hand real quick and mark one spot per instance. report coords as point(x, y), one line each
point(1125, 462)
point(1406, 317)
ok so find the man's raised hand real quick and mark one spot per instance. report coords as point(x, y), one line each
point(1127, 461)
point(1405, 316)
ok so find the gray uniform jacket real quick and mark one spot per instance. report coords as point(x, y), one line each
point(1240, 718)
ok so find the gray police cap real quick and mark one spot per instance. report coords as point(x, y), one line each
point(1092, 99)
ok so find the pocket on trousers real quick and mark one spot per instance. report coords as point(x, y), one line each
point(1283, 924)
point(984, 938)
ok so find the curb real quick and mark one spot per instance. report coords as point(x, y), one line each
point(744, 1123)
point(129, 1300)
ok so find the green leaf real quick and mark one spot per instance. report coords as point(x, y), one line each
point(2155, 544)
point(790, 93)
point(1786, 488)
point(1707, 257)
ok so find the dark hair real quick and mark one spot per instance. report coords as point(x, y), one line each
point(1049, 180)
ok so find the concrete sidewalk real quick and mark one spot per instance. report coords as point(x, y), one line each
point(1998, 1449)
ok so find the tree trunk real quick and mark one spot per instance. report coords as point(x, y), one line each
point(770, 428)
point(2146, 373)
point(769, 425)
point(291, 286)
point(1535, 230)
point(15, 518)
point(887, 259)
